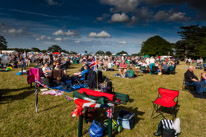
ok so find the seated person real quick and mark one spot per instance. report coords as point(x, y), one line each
point(191, 79)
point(46, 70)
point(105, 65)
point(80, 74)
point(109, 66)
point(122, 68)
point(203, 75)
point(129, 73)
point(164, 68)
point(171, 67)
point(57, 74)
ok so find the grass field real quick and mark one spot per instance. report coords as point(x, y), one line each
point(19, 119)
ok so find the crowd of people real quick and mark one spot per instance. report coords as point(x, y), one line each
point(55, 66)
point(105, 63)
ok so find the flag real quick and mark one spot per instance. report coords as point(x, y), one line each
point(109, 112)
point(93, 64)
point(68, 98)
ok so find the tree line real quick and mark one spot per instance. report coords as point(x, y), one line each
point(192, 44)
point(53, 48)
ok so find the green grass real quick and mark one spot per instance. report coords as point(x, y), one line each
point(18, 117)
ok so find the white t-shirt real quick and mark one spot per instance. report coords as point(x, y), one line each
point(45, 68)
point(152, 60)
point(148, 61)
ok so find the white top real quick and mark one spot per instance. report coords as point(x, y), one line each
point(152, 60)
point(44, 69)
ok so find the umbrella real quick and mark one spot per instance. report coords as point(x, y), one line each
point(36, 98)
point(57, 53)
point(146, 56)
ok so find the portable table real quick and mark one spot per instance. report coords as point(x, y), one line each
point(84, 105)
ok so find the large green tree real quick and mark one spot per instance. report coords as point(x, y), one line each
point(108, 53)
point(35, 49)
point(55, 48)
point(192, 43)
point(100, 52)
point(3, 43)
point(122, 52)
point(156, 45)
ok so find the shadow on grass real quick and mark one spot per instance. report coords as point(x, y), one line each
point(100, 115)
point(20, 96)
point(73, 67)
point(166, 112)
point(55, 106)
point(6, 91)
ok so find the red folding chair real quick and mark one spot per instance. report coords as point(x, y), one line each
point(167, 101)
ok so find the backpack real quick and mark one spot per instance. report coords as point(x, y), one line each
point(96, 129)
point(109, 87)
point(165, 128)
point(115, 127)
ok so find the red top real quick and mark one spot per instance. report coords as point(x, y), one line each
point(123, 65)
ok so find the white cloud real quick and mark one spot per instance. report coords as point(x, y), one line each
point(170, 16)
point(92, 34)
point(77, 41)
point(178, 16)
point(119, 17)
point(52, 3)
point(43, 37)
point(104, 16)
point(58, 39)
point(58, 33)
point(67, 33)
point(122, 5)
point(122, 42)
point(15, 31)
point(102, 34)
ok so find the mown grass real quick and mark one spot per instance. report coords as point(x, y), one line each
point(18, 117)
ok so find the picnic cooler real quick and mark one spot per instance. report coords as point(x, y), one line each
point(125, 119)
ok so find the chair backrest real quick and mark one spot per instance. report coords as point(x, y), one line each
point(168, 94)
point(142, 68)
point(33, 72)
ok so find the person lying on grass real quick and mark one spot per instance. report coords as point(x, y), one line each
point(191, 79)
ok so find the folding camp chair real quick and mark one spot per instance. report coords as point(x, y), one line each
point(143, 69)
point(165, 102)
point(82, 80)
point(204, 65)
point(187, 85)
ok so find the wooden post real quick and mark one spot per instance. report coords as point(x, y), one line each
point(109, 127)
point(86, 115)
point(80, 125)
point(36, 97)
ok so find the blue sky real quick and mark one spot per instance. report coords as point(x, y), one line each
point(108, 25)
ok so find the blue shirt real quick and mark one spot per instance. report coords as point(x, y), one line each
point(84, 72)
point(165, 66)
